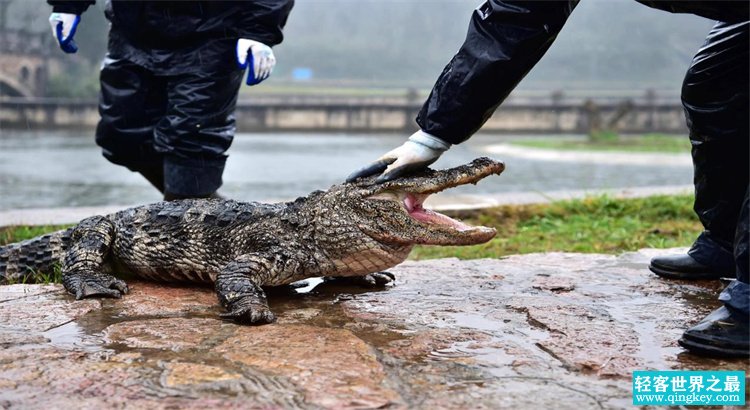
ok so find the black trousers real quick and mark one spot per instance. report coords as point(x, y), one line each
point(180, 125)
point(715, 96)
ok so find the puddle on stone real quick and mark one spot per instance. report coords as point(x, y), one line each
point(71, 336)
point(491, 351)
point(649, 348)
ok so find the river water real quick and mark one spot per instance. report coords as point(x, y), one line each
point(64, 169)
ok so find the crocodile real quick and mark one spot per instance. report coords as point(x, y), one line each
point(353, 229)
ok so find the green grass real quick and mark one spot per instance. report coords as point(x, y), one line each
point(10, 234)
point(593, 225)
point(613, 142)
point(39, 277)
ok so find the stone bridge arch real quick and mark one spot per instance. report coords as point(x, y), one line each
point(12, 87)
point(23, 66)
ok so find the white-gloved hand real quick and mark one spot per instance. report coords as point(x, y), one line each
point(64, 27)
point(258, 56)
point(419, 151)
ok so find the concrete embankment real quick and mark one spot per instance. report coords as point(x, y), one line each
point(363, 114)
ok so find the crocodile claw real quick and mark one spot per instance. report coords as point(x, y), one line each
point(371, 280)
point(379, 278)
point(256, 314)
point(94, 285)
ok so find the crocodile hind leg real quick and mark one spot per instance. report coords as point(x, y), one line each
point(85, 264)
point(239, 291)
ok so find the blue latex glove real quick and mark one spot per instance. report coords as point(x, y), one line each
point(256, 55)
point(63, 29)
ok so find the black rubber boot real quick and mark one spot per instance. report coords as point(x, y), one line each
point(720, 334)
point(685, 267)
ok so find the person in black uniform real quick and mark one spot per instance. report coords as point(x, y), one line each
point(507, 38)
point(170, 80)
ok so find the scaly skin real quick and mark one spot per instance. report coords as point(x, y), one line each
point(352, 230)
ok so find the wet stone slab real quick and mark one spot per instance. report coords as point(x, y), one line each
point(533, 331)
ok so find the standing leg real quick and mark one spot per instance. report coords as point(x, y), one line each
point(736, 296)
point(725, 332)
point(84, 271)
point(196, 131)
point(131, 102)
point(715, 97)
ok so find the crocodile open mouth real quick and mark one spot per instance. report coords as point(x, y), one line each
point(413, 204)
point(411, 192)
point(417, 188)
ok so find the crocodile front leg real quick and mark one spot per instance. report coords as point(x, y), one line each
point(84, 266)
point(239, 291)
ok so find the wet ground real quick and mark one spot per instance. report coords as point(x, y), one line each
point(533, 331)
point(65, 169)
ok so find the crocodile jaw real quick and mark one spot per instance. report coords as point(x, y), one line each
point(427, 226)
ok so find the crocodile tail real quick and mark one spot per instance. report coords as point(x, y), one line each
point(34, 260)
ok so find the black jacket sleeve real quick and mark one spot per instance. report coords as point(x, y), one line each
point(505, 40)
point(70, 6)
point(264, 20)
point(729, 11)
